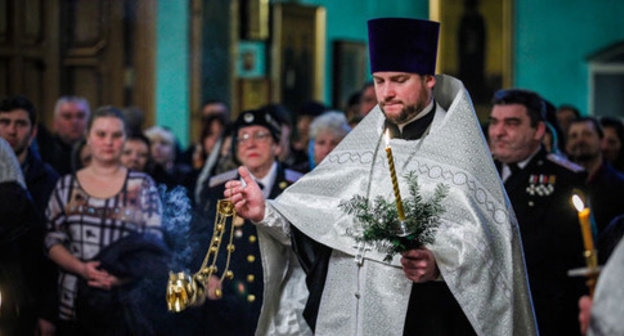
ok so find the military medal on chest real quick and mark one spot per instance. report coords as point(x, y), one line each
point(541, 185)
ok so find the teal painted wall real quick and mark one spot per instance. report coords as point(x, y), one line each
point(554, 37)
point(172, 64)
point(346, 20)
point(552, 40)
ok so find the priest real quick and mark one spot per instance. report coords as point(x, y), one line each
point(470, 280)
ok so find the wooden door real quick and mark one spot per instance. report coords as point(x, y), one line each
point(107, 52)
point(29, 52)
point(92, 51)
point(102, 50)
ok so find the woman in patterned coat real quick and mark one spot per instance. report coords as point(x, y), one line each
point(92, 209)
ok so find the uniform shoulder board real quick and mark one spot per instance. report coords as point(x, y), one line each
point(223, 177)
point(291, 175)
point(561, 161)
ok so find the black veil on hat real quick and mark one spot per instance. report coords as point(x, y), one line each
point(403, 45)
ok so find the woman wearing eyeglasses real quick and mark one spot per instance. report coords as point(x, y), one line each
point(256, 144)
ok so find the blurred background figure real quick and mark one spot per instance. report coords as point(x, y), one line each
point(210, 139)
point(326, 132)
point(355, 121)
point(134, 119)
point(208, 152)
point(136, 153)
point(18, 127)
point(285, 119)
point(554, 138)
point(215, 107)
point(70, 121)
point(21, 236)
point(611, 144)
point(605, 184)
point(368, 99)
point(203, 156)
point(301, 140)
point(18, 120)
point(81, 155)
point(565, 115)
point(226, 159)
point(214, 120)
point(163, 151)
point(353, 105)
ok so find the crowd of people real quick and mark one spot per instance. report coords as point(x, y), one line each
point(82, 214)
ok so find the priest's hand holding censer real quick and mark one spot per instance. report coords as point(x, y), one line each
point(184, 290)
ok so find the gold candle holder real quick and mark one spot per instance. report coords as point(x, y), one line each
point(184, 290)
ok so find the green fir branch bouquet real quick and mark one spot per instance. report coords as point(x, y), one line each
point(379, 221)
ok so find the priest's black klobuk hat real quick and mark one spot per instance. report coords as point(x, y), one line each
point(403, 45)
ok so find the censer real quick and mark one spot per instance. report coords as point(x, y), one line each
point(184, 290)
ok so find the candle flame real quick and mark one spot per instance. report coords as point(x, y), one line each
point(387, 137)
point(578, 203)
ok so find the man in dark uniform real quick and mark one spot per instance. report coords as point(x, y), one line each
point(540, 186)
point(256, 144)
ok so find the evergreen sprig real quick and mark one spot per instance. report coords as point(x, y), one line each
point(378, 219)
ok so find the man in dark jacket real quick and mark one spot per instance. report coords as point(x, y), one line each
point(17, 127)
point(605, 184)
point(540, 186)
point(19, 245)
point(70, 123)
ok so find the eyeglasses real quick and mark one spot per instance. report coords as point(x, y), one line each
point(257, 137)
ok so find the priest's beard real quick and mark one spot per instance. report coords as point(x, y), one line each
point(409, 111)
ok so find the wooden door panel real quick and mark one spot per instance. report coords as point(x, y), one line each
point(4, 74)
point(4, 21)
point(85, 26)
point(50, 48)
point(33, 22)
point(86, 82)
point(32, 74)
point(27, 36)
point(92, 54)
